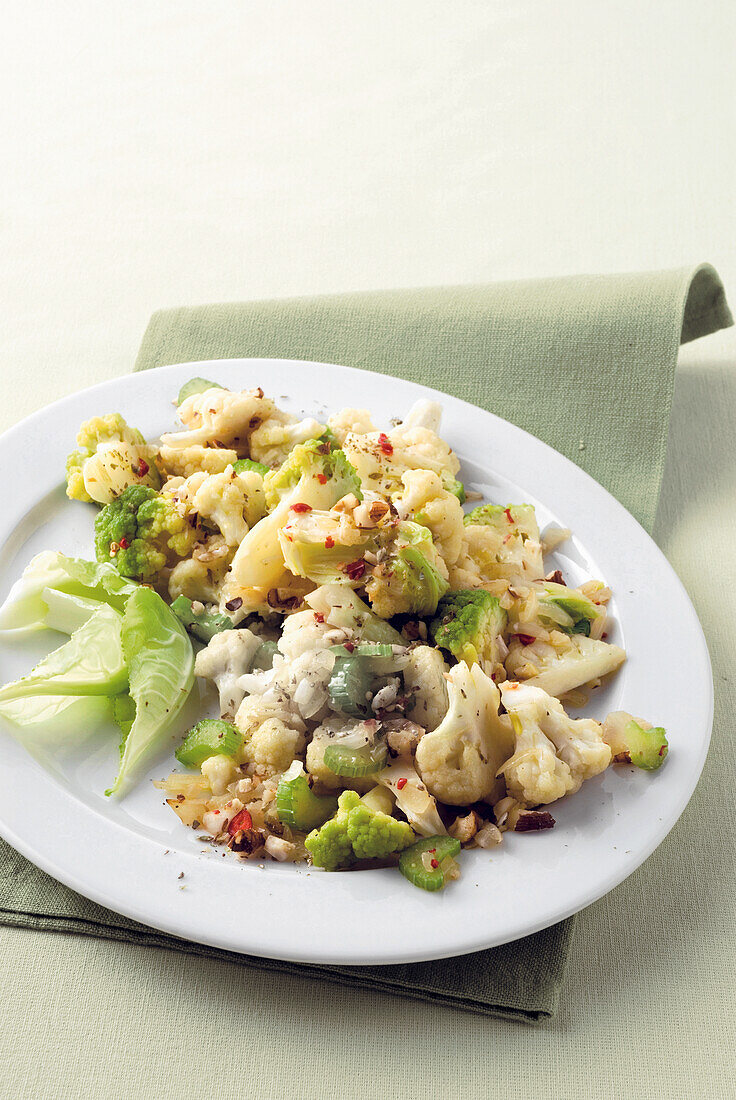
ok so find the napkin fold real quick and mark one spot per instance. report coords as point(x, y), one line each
point(585, 363)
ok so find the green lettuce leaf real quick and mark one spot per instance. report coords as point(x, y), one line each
point(51, 717)
point(27, 608)
point(160, 663)
point(90, 663)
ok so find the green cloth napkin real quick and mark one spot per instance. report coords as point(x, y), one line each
point(585, 363)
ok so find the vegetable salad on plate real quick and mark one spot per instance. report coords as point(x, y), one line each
point(390, 662)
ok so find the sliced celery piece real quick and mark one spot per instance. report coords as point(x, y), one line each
point(440, 849)
point(349, 685)
point(354, 763)
point(203, 624)
point(210, 737)
point(298, 806)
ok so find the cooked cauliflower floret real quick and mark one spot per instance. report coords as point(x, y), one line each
point(381, 458)
point(232, 502)
point(579, 742)
point(224, 660)
point(185, 461)
point(553, 753)
point(465, 572)
point(271, 742)
point(459, 760)
point(221, 418)
point(357, 421)
point(425, 499)
point(201, 576)
point(273, 735)
point(218, 770)
point(423, 414)
point(420, 448)
point(503, 542)
point(272, 441)
point(424, 680)
point(304, 631)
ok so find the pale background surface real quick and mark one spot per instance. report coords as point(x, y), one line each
point(179, 152)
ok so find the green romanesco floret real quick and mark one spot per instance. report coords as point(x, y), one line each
point(468, 624)
point(412, 578)
point(330, 846)
point(142, 531)
point(357, 831)
point(375, 835)
point(97, 437)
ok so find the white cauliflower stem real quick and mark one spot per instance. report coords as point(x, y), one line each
point(563, 669)
point(459, 760)
point(412, 797)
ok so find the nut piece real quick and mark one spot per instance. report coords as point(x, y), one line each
point(279, 849)
point(502, 809)
point(281, 599)
point(532, 821)
point(465, 828)
point(402, 736)
point(246, 841)
point(346, 504)
point(490, 836)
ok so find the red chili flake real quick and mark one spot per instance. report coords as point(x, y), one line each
point(329, 542)
point(509, 517)
point(322, 479)
point(301, 507)
point(434, 864)
point(663, 750)
point(385, 444)
point(123, 544)
point(604, 635)
point(526, 639)
point(142, 468)
point(400, 784)
point(240, 822)
point(432, 850)
point(355, 569)
point(319, 617)
point(350, 646)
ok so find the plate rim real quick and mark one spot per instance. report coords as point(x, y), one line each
point(180, 927)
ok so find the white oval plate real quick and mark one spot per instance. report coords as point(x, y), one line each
point(129, 855)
